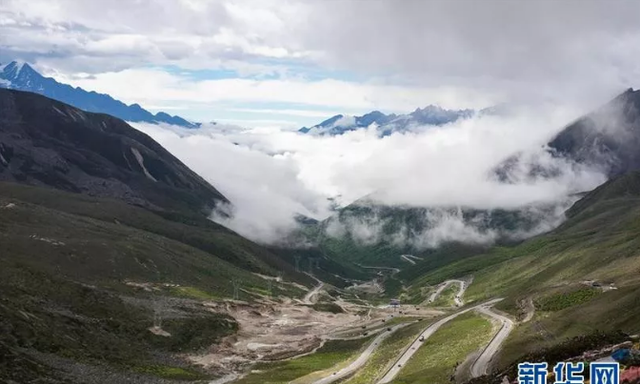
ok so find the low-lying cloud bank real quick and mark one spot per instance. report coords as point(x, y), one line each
point(369, 224)
point(273, 175)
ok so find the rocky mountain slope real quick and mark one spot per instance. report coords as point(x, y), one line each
point(21, 76)
point(607, 138)
point(49, 143)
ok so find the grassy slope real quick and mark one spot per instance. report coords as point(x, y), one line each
point(107, 251)
point(64, 259)
point(184, 227)
point(599, 241)
point(347, 249)
point(332, 353)
point(446, 297)
point(387, 255)
point(53, 315)
point(334, 271)
point(433, 259)
point(436, 360)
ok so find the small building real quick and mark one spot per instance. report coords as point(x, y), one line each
point(395, 303)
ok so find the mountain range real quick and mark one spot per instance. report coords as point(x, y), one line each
point(606, 139)
point(431, 115)
point(111, 270)
point(21, 76)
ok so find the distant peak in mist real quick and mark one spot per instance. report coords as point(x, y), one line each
point(431, 115)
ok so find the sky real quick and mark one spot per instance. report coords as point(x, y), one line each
point(262, 69)
point(289, 63)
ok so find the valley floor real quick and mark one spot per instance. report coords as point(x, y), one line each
point(159, 307)
point(388, 335)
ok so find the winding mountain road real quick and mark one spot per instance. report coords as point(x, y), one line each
point(408, 260)
point(314, 291)
point(361, 360)
point(481, 365)
point(408, 354)
point(411, 258)
point(444, 285)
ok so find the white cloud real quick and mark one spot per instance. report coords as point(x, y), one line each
point(272, 174)
point(451, 227)
point(539, 50)
point(262, 182)
point(345, 121)
point(430, 227)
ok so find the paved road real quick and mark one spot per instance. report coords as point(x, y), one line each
point(406, 356)
point(361, 360)
point(481, 365)
point(341, 336)
point(444, 285)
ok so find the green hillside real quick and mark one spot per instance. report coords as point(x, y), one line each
point(104, 234)
point(82, 279)
point(567, 273)
point(370, 233)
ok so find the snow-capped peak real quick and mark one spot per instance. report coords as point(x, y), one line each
point(431, 115)
point(19, 64)
point(13, 69)
point(19, 75)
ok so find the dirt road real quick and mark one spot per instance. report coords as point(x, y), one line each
point(444, 285)
point(408, 354)
point(405, 258)
point(314, 291)
point(529, 309)
point(410, 258)
point(481, 365)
